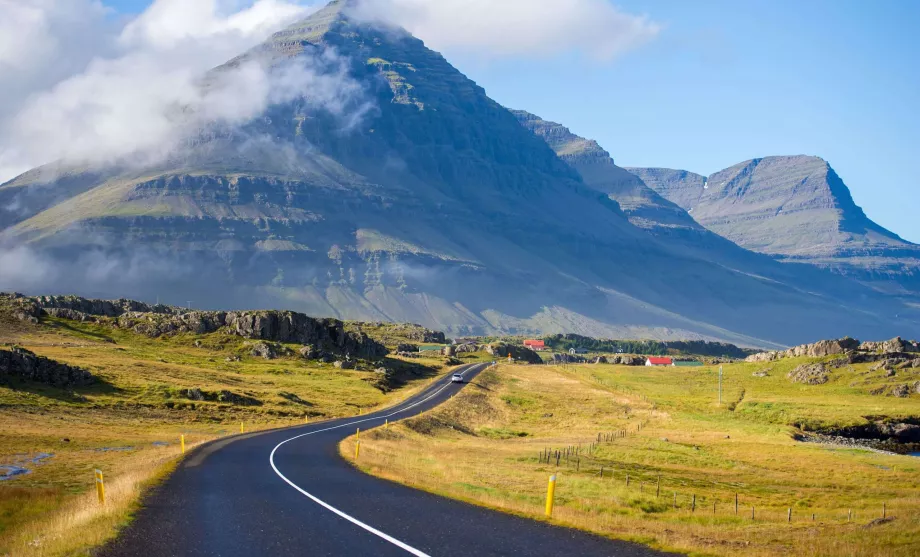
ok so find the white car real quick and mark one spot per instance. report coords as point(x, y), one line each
point(457, 378)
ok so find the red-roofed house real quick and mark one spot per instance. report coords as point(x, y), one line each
point(535, 344)
point(655, 361)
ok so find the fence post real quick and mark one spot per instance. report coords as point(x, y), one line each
point(736, 504)
point(850, 515)
point(693, 504)
point(752, 512)
point(884, 510)
point(100, 487)
point(789, 519)
point(550, 495)
point(658, 487)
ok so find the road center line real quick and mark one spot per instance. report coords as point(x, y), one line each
point(327, 506)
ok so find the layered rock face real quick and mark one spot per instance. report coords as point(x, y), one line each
point(415, 198)
point(24, 365)
point(796, 209)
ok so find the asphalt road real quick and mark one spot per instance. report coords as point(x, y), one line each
point(289, 493)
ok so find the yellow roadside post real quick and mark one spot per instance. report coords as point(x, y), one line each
point(241, 427)
point(358, 434)
point(386, 424)
point(357, 448)
point(182, 442)
point(550, 494)
point(100, 487)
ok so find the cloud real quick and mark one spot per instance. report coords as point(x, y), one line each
point(512, 28)
point(89, 91)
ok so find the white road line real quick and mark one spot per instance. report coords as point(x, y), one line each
point(327, 506)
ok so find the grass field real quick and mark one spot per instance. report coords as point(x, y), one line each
point(485, 447)
point(129, 424)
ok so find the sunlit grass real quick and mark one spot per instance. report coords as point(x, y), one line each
point(484, 447)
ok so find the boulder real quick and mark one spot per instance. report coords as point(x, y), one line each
point(308, 352)
point(901, 391)
point(448, 351)
point(265, 350)
point(344, 364)
point(406, 347)
point(810, 374)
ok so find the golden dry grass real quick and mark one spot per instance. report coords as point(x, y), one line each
point(484, 446)
point(129, 425)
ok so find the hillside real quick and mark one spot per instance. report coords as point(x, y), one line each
point(112, 385)
point(416, 198)
point(796, 209)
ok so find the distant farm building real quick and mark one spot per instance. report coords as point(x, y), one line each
point(655, 361)
point(535, 344)
point(574, 351)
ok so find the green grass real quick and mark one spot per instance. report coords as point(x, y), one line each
point(677, 432)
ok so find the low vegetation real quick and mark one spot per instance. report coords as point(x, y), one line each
point(145, 392)
point(649, 454)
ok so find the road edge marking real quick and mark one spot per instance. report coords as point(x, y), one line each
point(271, 459)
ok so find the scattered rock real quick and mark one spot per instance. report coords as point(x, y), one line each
point(194, 394)
point(405, 347)
point(879, 522)
point(810, 374)
point(344, 364)
point(889, 373)
point(233, 359)
point(901, 391)
point(308, 352)
point(382, 371)
point(269, 350)
point(760, 374)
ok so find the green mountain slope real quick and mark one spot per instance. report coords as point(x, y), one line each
point(434, 205)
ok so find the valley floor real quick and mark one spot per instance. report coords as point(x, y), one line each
point(671, 461)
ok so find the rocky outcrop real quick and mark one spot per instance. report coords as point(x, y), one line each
point(894, 346)
point(810, 374)
point(624, 360)
point(23, 364)
point(889, 352)
point(270, 326)
point(817, 350)
point(518, 353)
point(269, 350)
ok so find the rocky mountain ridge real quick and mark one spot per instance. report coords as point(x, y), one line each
point(796, 209)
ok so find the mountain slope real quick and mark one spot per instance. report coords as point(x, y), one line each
point(419, 199)
point(644, 207)
point(796, 209)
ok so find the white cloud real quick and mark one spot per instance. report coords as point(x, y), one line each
point(91, 91)
point(509, 28)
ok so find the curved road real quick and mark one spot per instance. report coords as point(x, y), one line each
point(289, 493)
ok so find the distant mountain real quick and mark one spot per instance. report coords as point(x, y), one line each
point(796, 209)
point(434, 206)
point(643, 205)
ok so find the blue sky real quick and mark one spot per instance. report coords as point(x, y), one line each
point(726, 81)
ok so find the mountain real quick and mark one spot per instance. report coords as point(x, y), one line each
point(643, 206)
point(412, 197)
point(796, 209)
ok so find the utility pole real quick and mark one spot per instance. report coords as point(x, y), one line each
point(720, 385)
point(189, 304)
